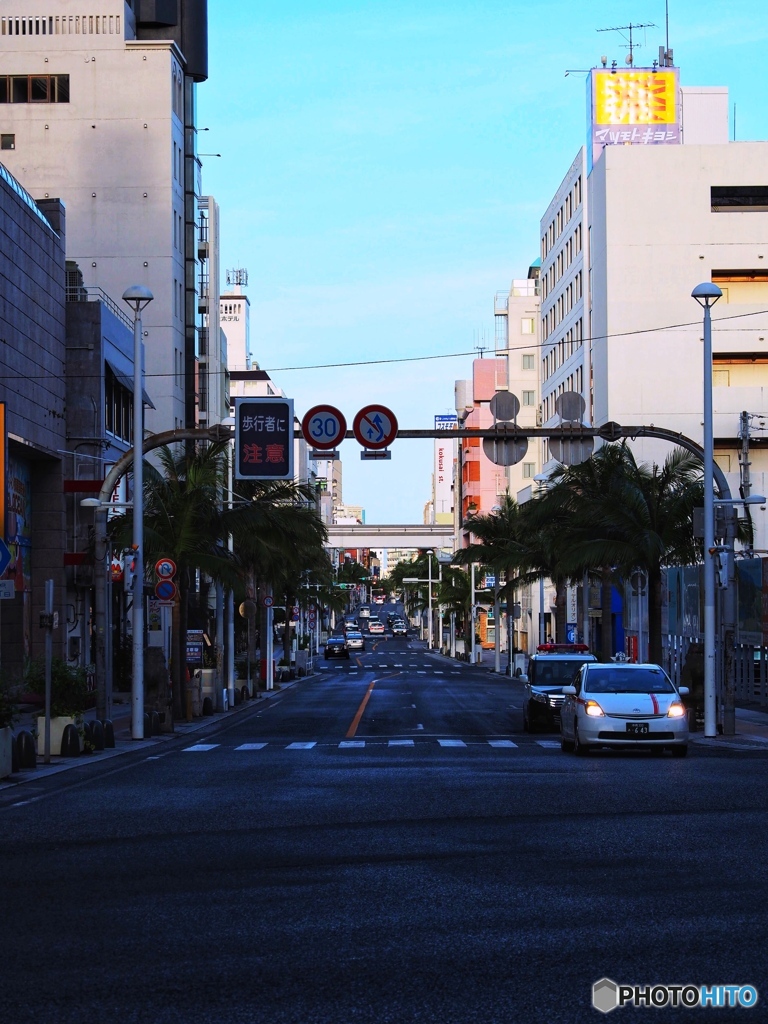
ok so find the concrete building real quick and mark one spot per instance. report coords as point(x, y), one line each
point(32, 390)
point(99, 111)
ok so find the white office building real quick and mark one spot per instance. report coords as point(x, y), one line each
point(622, 247)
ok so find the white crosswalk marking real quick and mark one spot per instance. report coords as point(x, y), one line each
point(398, 665)
point(400, 743)
point(251, 746)
point(549, 744)
point(301, 746)
point(452, 743)
point(351, 743)
point(421, 673)
point(198, 747)
point(439, 673)
point(502, 743)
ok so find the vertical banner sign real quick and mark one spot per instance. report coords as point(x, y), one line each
point(264, 438)
point(445, 455)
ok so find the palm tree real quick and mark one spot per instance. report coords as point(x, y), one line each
point(277, 534)
point(184, 521)
point(640, 518)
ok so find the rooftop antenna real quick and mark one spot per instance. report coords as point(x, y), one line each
point(631, 44)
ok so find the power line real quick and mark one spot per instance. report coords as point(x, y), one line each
point(441, 355)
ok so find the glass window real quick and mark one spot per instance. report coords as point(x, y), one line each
point(626, 679)
point(20, 89)
point(62, 89)
point(3, 89)
point(527, 325)
point(529, 398)
point(7, 142)
point(38, 92)
point(528, 362)
point(529, 470)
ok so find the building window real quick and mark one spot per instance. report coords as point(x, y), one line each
point(529, 398)
point(528, 362)
point(7, 142)
point(34, 88)
point(529, 470)
point(118, 408)
point(527, 325)
point(739, 198)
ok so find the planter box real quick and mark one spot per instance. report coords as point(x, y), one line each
point(6, 752)
point(58, 726)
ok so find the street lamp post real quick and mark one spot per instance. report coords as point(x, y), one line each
point(429, 602)
point(137, 297)
point(706, 295)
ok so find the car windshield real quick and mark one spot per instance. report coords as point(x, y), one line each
point(617, 679)
point(556, 672)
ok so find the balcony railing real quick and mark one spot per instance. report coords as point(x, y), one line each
point(89, 293)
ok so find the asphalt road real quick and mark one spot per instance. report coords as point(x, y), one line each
point(380, 842)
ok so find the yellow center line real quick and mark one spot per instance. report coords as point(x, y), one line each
point(356, 720)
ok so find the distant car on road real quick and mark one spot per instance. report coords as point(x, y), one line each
point(336, 647)
point(374, 626)
point(549, 670)
point(355, 641)
point(399, 629)
point(624, 705)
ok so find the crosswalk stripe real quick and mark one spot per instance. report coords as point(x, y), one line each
point(301, 746)
point(502, 743)
point(549, 744)
point(251, 746)
point(452, 743)
point(439, 673)
point(200, 747)
point(421, 673)
point(351, 743)
point(400, 743)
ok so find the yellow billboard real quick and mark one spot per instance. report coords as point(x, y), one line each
point(636, 96)
point(635, 107)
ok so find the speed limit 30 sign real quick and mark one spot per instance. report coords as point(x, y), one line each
point(323, 427)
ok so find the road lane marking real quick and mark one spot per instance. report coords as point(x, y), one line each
point(400, 743)
point(508, 744)
point(438, 673)
point(199, 747)
point(351, 743)
point(302, 745)
point(251, 746)
point(452, 743)
point(549, 744)
point(359, 713)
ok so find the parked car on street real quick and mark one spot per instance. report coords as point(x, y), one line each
point(336, 647)
point(624, 705)
point(549, 670)
point(355, 641)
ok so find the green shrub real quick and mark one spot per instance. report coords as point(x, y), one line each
point(69, 688)
point(8, 707)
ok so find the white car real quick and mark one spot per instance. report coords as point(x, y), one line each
point(623, 705)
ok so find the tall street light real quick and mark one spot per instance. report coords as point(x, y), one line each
point(707, 294)
point(429, 604)
point(138, 297)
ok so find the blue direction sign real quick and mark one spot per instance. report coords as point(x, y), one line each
point(375, 427)
point(264, 438)
point(5, 557)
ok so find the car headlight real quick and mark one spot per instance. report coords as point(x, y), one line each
point(676, 710)
point(540, 697)
point(594, 710)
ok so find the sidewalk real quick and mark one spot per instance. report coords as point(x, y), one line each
point(121, 724)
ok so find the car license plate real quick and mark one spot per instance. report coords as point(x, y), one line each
point(637, 728)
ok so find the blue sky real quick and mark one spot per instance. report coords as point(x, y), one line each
point(384, 168)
